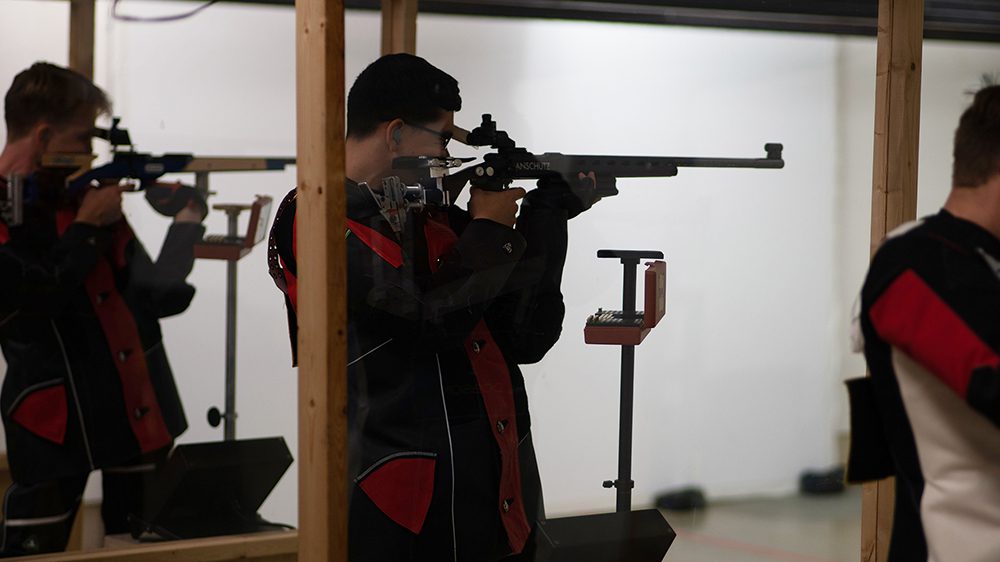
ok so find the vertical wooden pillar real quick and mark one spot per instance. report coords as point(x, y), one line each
point(399, 26)
point(322, 281)
point(894, 192)
point(81, 37)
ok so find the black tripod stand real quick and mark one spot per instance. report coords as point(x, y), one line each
point(625, 535)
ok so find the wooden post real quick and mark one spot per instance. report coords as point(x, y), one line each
point(274, 546)
point(894, 193)
point(81, 59)
point(322, 281)
point(81, 37)
point(399, 26)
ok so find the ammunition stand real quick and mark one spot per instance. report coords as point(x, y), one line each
point(625, 535)
point(231, 247)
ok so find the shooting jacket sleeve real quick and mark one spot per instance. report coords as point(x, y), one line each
point(944, 318)
point(37, 279)
point(433, 305)
point(527, 318)
point(163, 282)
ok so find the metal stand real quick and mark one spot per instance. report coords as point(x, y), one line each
point(229, 429)
point(232, 247)
point(624, 535)
point(228, 417)
point(624, 484)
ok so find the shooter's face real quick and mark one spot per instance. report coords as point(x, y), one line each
point(426, 139)
point(420, 139)
point(73, 137)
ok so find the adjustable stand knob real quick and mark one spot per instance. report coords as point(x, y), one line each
point(214, 417)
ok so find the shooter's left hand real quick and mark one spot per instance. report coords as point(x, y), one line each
point(183, 202)
point(574, 197)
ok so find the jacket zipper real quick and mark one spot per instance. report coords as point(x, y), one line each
point(76, 398)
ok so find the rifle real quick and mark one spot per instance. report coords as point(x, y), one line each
point(65, 177)
point(510, 163)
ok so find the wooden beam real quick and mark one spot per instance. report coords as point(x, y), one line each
point(399, 26)
point(81, 37)
point(278, 546)
point(322, 281)
point(894, 192)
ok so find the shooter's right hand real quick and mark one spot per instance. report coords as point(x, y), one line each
point(101, 207)
point(497, 206)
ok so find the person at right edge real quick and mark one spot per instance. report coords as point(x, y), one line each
point(441, 310)
point(929, 414)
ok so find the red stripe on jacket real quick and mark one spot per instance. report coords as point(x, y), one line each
point(493, 379)
point(142, 409)
point(291, 282)
point(382, 245)
point(910, 316)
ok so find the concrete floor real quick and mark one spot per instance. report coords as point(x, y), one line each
point(788, 529)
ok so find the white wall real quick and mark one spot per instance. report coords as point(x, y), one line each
point(737, 391)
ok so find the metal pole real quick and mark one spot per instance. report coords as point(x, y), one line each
point(229, 429)
point(624, 484)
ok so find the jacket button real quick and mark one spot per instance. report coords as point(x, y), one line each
point(140, 412)
point(501, 425)
point(506, 504)
point(102, 296)
point(123, 355)
point(476, 347)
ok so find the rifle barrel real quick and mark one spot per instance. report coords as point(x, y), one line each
point(647, 166)
point(683, 162)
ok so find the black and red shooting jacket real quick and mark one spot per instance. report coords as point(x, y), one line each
point(88, 384)
point(439, 317)
point(930, 412)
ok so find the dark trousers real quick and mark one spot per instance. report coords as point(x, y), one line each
point(38, 518)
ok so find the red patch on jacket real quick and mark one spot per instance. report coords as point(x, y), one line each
point(44, 413)
point(910, 316)
point(440, 239)
point(402, 488)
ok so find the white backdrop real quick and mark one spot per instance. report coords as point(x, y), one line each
point(739, 390)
